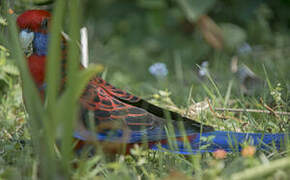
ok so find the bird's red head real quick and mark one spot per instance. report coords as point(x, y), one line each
point(34, 38)
point(33, 26)
point(34, 20)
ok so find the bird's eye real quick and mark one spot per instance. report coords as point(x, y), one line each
point(44, 23)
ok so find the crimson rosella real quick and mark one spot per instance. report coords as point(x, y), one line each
point(118, 114)
point(110, 106)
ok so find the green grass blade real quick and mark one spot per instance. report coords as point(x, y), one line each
point(73, 66)
point(34, 107)
point(54, 55)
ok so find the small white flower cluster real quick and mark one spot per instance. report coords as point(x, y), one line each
point(276, 93)
point(158, 70)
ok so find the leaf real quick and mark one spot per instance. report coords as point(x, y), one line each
point(2, 48)
point(84, 76)
point(4, 78)
point(211, 32)
point(39, 2)
point(233, 35)
point(10, 69)
point(3, 21)
point(152, 4)
point(193, 9)
point(197, 108)
point(76, 89)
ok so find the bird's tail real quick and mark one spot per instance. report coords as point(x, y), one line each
point(225, 140)
point(192, 142)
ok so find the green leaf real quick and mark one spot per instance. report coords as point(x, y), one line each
point(54, 55)
point(82, 78)
point(75, 90)
point(152, 4)
point(10, 69)
point(193, 9)
point(233, 35)
point(4, 78)
point(38, 2)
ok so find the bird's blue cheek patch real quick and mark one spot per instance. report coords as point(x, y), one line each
point(40, 44)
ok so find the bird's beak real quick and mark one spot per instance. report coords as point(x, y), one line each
point(26, 41)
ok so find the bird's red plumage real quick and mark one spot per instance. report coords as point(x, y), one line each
point(32, 20)
point(36, 66)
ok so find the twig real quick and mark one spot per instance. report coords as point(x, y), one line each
point(252, 111)
point(221, 116)
point(269, 108)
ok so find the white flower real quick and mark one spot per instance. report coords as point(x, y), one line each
point(159, 70)
point(203, 69)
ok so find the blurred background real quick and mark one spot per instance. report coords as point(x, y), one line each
point(175, 45)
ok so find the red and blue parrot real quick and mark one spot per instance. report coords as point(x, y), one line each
point(121, 117)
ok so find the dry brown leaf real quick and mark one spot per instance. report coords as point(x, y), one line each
point(197, 108)
point(211, 32)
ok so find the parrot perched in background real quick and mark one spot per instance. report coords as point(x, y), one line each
point(119, 117)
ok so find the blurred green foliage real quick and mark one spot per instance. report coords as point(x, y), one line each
point(133, 35)
point(8, 73)
point(129, 36)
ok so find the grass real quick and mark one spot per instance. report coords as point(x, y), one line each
point(28, 142)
